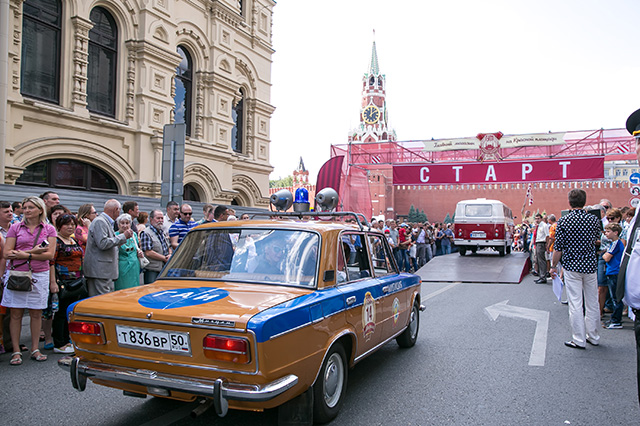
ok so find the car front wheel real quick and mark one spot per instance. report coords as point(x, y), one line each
point(330, 386)
point(409, 336)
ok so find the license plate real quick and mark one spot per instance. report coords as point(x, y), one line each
point(155, 340)
point(478, 234)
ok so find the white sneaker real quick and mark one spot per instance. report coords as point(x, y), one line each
point(66, 349)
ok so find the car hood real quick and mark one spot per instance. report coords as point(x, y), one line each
point(211, 303)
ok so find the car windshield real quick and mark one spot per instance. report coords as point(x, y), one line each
point(266, 256)
point(478, 210)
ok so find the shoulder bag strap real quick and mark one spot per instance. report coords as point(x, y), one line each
point(35, 242)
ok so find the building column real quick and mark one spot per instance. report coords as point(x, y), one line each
point(81, 27)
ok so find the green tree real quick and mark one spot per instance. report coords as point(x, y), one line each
point(281, 182)
point(413, 215)
point(422, 216)
point(447, 219)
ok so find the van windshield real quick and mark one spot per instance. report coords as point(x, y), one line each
point(477, 210)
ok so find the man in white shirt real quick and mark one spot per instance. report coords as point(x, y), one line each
point(542, 237)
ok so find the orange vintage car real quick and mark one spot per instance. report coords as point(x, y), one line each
point(251, 315)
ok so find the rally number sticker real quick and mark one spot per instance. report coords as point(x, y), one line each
point(368, 316)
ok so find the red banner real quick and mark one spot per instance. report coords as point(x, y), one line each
point(558, 169)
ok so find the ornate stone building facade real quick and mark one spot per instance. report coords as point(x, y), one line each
point(89, 85)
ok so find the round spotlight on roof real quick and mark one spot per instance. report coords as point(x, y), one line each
point(301, 202)
point(281, 200)
point(327, 199)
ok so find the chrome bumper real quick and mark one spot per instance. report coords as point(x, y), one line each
point(160, 384)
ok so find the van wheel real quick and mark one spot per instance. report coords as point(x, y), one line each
point(474, 250)
point(500, 251)
point(330, 386)
point(508, 249)
point(462, 251)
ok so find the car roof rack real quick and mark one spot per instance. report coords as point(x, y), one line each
point(361, 220)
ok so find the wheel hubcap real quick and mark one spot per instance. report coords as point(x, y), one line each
point(333, 380)
point(413, 326)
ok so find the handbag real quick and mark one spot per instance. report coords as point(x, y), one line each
point(22, 280)
point(73, 289)
point(144, 262)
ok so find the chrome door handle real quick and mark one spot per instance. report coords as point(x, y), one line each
point(385, 289)
point(351, 300)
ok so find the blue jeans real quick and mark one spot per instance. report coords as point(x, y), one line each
point(446, 249)
point(602, 280)
point(616, 316)
point(403, 260)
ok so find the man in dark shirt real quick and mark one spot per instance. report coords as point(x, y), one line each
point(575, 247)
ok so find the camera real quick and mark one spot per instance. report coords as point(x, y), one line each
point(44, 243)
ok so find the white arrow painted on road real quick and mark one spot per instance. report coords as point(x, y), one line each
point(539, 347)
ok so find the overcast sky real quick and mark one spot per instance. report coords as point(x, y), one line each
point(453, 69)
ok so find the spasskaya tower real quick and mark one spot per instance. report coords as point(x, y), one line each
point(374, 117)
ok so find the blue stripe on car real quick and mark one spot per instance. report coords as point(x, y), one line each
point(307, 309)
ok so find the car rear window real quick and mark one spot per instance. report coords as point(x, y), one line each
point(477, 210)
point(266, 256)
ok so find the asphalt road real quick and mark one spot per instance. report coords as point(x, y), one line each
point(466, 369)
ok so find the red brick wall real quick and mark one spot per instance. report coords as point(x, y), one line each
point(437, 202)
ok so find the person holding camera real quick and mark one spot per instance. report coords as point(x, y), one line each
point(29, 246)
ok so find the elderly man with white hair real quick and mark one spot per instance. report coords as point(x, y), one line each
point(101, 256)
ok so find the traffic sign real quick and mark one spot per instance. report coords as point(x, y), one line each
point(634, 202)
point(634, 190)
point(635, 178)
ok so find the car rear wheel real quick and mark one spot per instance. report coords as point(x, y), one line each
point(462, 250)
point(408, 338)
point(330, 386)
point(500, 250)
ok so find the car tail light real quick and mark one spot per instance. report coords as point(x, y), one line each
point(497, 233)
point(87, 332)
point(228, 349)
point(460, 232)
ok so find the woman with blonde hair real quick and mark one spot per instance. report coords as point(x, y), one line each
point(26, 250)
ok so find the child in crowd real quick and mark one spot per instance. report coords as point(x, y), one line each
point(613, 256)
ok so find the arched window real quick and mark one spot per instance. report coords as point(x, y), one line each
point(182, 99)
point(372, 81)
point(40, 66)
point(69, 174)
point(237, 134)
point(103, 61)
point(190, 193)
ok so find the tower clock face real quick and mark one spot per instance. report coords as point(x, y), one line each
point(371, 114)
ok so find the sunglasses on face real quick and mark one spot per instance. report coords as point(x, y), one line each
point(187, 213)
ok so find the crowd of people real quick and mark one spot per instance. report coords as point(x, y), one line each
point(70, 256)
point(414, 244)
point(584, 248)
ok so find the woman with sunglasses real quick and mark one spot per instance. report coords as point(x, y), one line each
point(25, 251)
point(128, 254)
point(68, 268)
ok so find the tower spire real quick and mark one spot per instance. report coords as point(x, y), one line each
point(373, 69)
